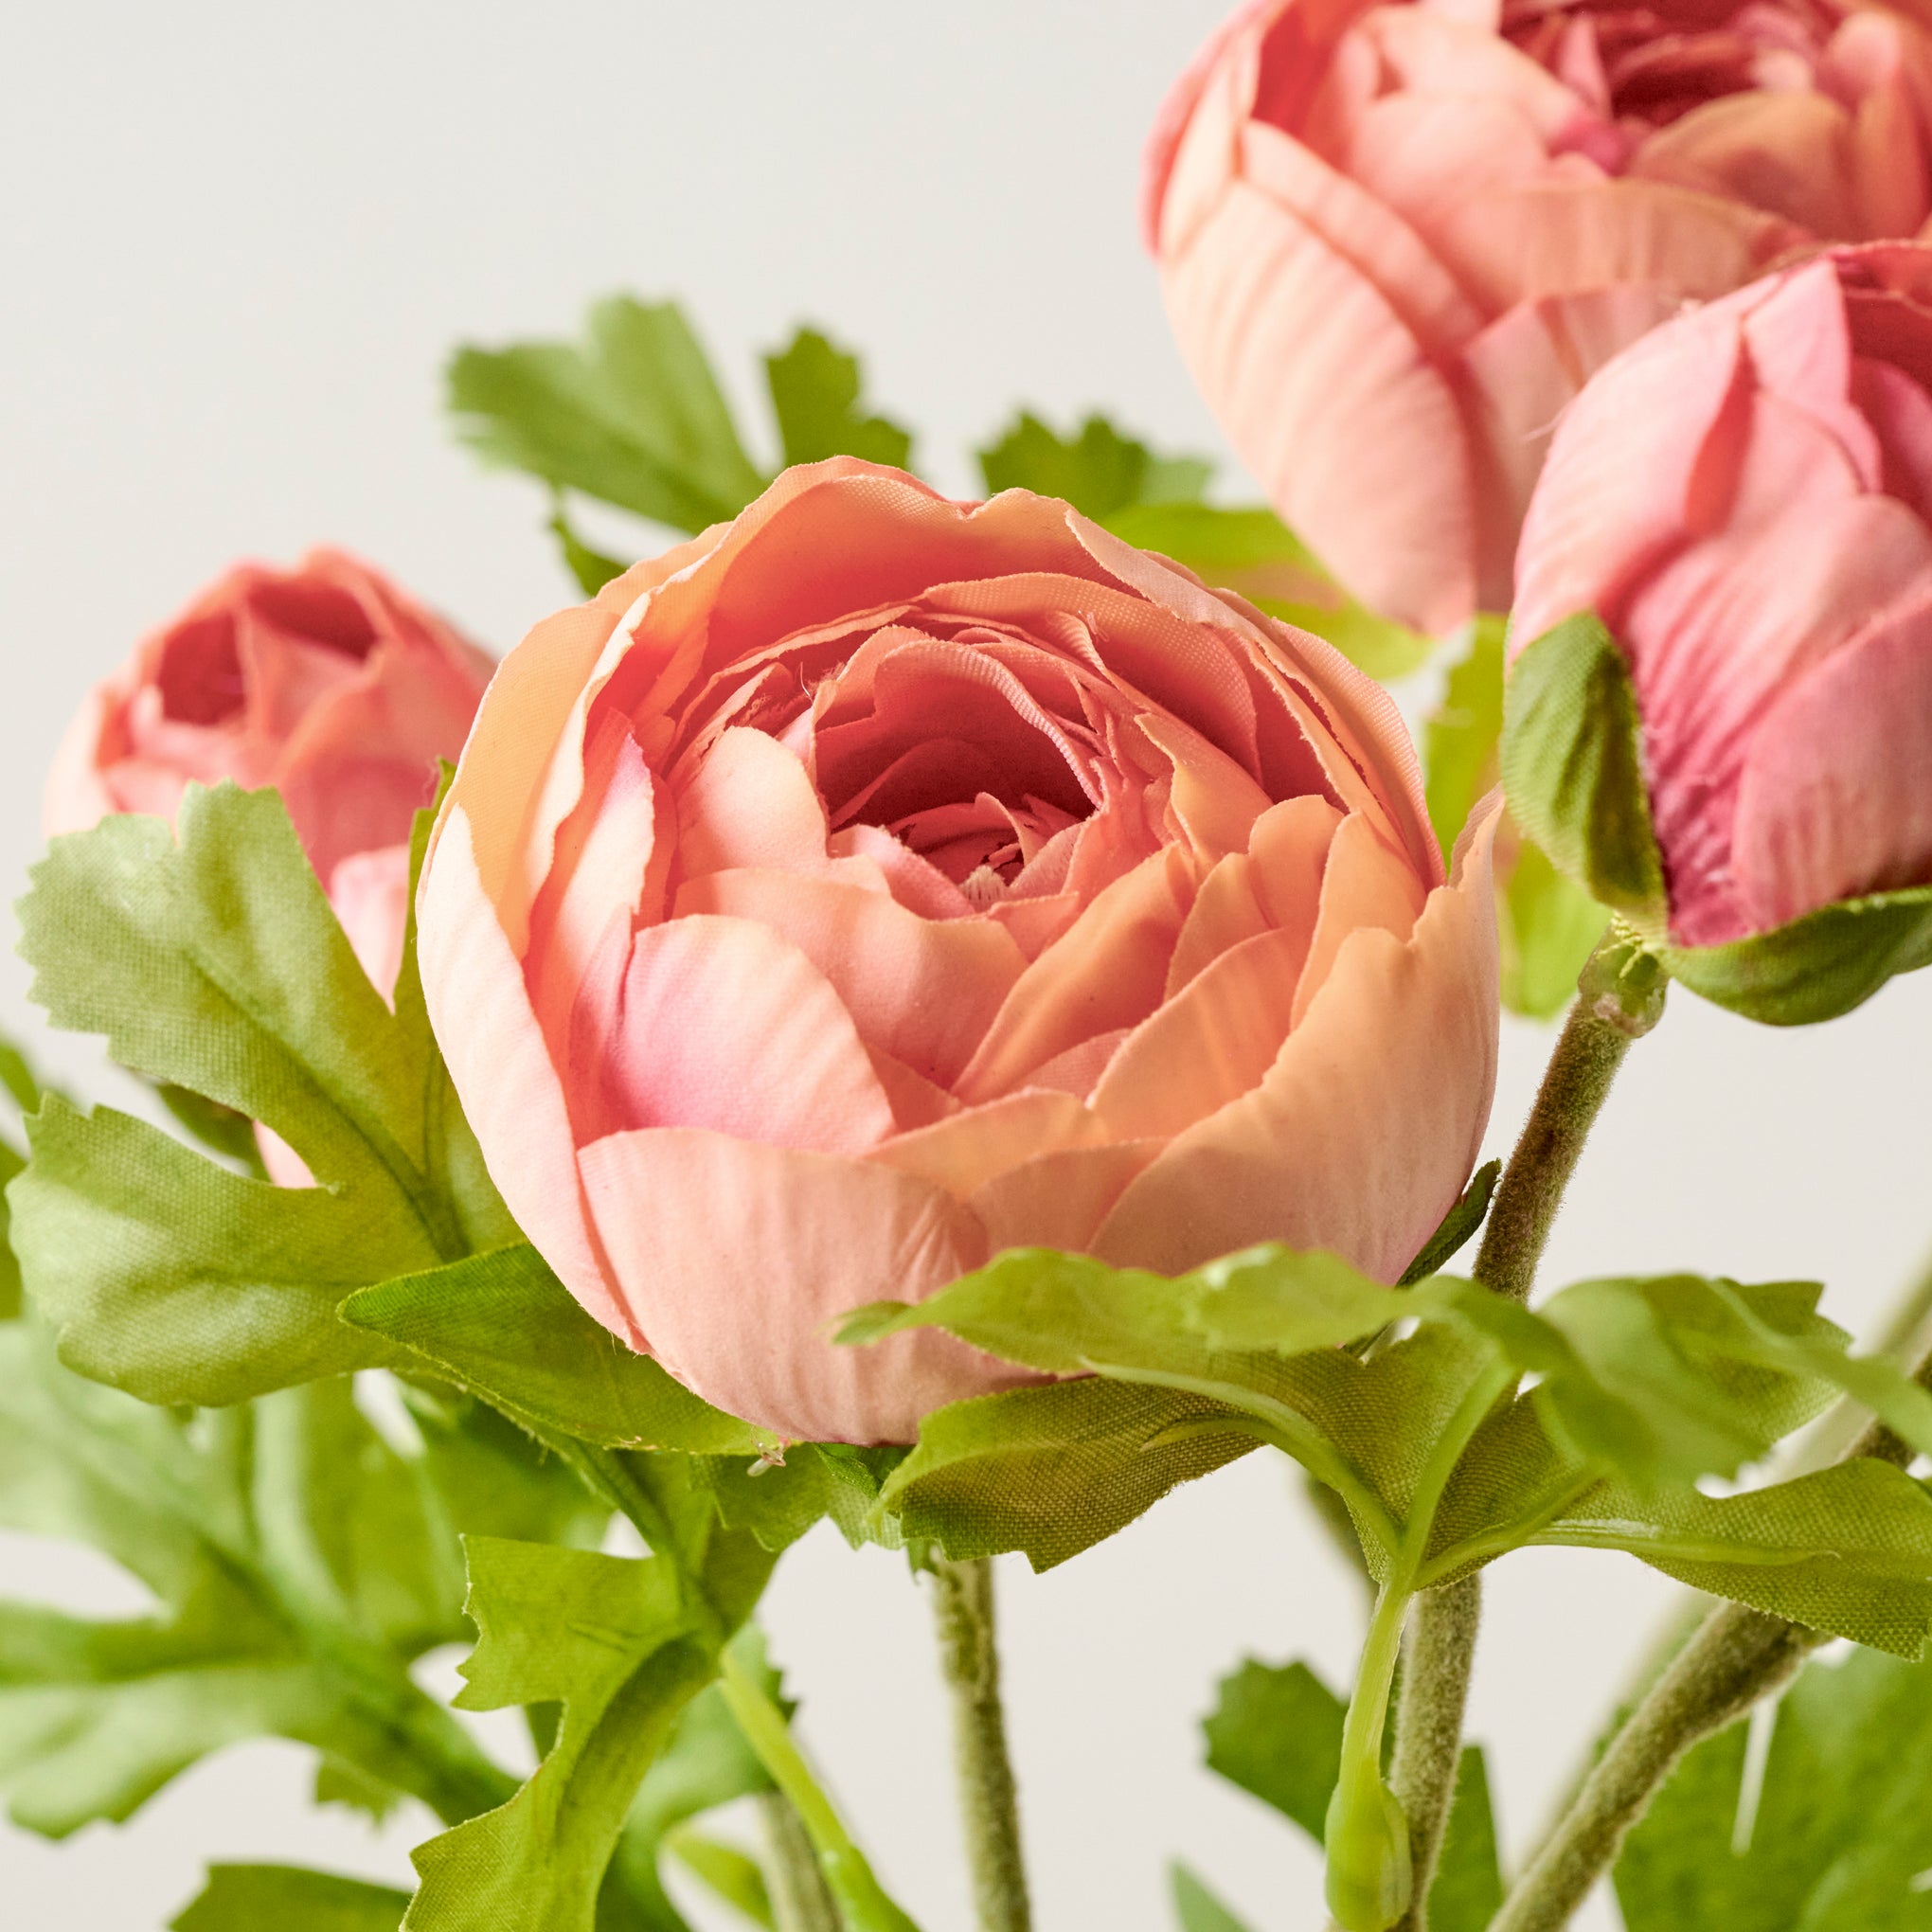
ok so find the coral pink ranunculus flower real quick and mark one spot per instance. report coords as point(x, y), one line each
point(879, 882)
point(324, 681)
point(1745, 498)
point(1396, 238)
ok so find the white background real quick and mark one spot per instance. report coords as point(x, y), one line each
point(236, 243)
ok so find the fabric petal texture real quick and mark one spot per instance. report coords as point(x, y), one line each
point(883, 882)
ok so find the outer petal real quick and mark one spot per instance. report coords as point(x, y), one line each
point(741, 1259)
point(1836, 799)
point(502, 1071)
point(1364, 1130)
point(1353, 434)
point(369, 892)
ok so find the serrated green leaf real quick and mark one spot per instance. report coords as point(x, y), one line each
point(1276, 1732)
point(502, 1325)
point(1839, 1836)
point(295, 1575)
point(219, 1129)
point(1572, 765)
point(779, 1502)
point(248, 1898)
point(1847, 1550)
point(616, 1644)
point(1054, 1471)
point(1098, 468)
point(339, 1782)
point(632, 415)
point(816, 396)
point(1196, 1907)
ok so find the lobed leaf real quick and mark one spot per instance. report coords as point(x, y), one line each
point(1276, 1732)
point(247, 1898)
point(816, 396)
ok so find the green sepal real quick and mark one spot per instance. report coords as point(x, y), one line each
point(1816, 967)
point(249, 1897)
point(1457, 1227)
point(1572, 765)
point(503, 1325)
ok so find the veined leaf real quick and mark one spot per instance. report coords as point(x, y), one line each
point(502, 1325)
point(1836, 1839)
point(632, 415)
point(248, 1898)
point(817, 395)
point(1098, 468)
point(1276, 1732)
point(616, 1644)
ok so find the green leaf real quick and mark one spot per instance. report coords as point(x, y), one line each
point(779, 1502)
point(725, 1871)
point(1839, 1836)
point(1459, 1225)
point(1054, 1471)
point(1459, 739)
point(296, 1571)
point(212, 962)
point(612, 1642)
point(502, 1325)
point(591, 568)
point(1276, 1732)
point(1197, 1907)
point(632, 415)
point(1468, 1890)
point(1816, 967)
point(249, 1897)
point(1098, 470)
point(1572, 765)
point(1847, 1550)
point(816, 389)
point(219, 1129)
point(1550, 928)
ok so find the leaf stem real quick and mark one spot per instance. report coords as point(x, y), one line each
point(1365, 1837)
point(963, 1605)
point(861, 1901)
point(1621, 996)
point(799, 1900)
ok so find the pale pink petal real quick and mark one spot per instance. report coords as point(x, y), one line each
point(1799, 343)
point(1059, 1200)
point(502, 1072)
point(282, 1164)
point(1107, 972)
point(1836, 793)
point(369, 892)
point(967, 1149)
point(1077, 1070)
point(1364, 1132)
point(1352, 433)
point(923, 991)
point(740, 1259)
point(1365, 885)
point(749, 802)
point(723, 1024)
point(1215, 801)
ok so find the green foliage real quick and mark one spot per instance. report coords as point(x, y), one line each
point(1052, 1470)
point(1572, 763)
point(777, 1502)
point(632, 415)
point(1275, 1731)
point(249, 1897)
point(297, 1569)
point(503, 1325)
point(730, 1874)
point(212, 963)
point(1098, 470)
point(1196, 1907)
point(1549, 927)
point(1839, 1835)
point(1459, 1225)
point(619, 1647)
point(591, 568)
point(816, 391)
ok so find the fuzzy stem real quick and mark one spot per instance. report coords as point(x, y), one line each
point(799, 1900)
point(1619, 1000)
point(962, 1603)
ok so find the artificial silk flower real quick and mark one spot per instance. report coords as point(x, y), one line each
point(879, 882)
point(1396, 239)
point(324, 681)
point(1744, 501)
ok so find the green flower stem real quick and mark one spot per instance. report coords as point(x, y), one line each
point(1620, 997)
point(799, 1900)
point(1365, 1835)
point(861, 1901)
point(962, 1602)
point(1736, 1657)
